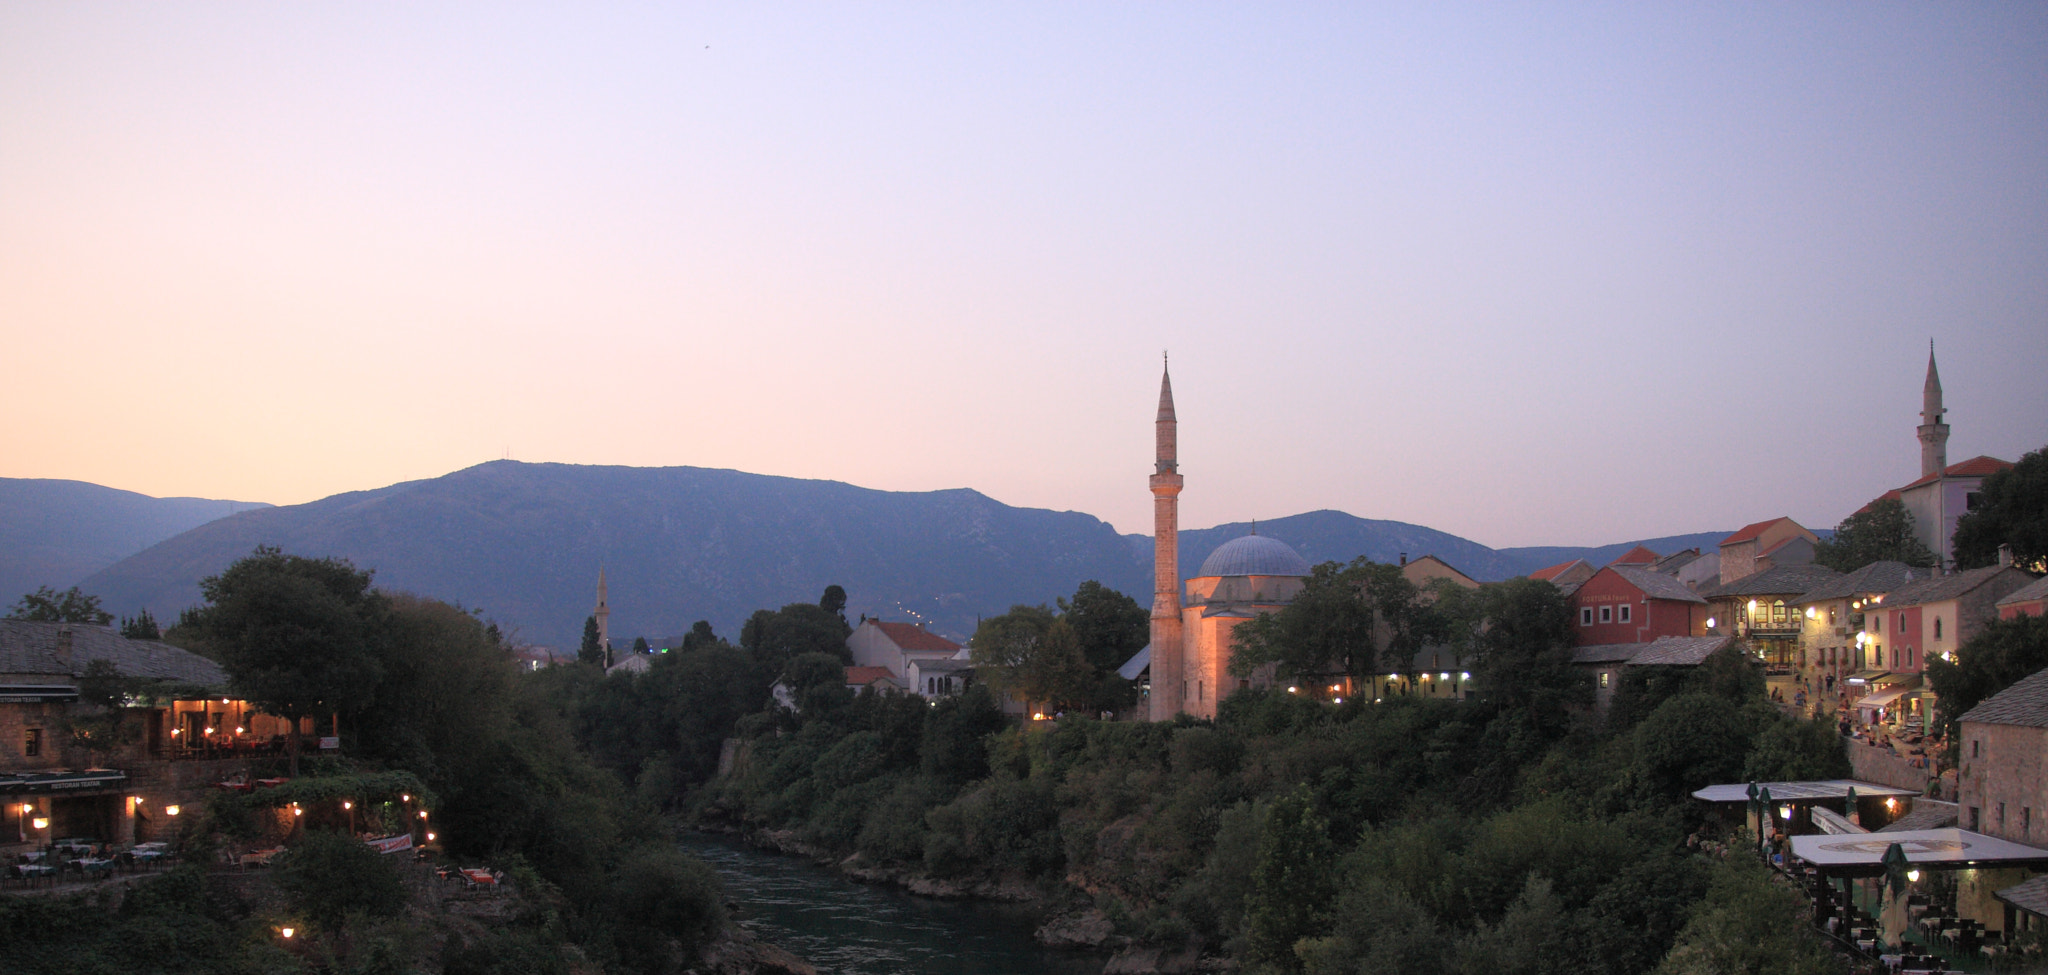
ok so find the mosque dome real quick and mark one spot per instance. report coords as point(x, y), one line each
point(1254, 555)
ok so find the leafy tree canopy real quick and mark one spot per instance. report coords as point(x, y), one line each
point(1111, 626)
point(1994, 660)
point(590, 651)
point(47, 605)
point(1352, 619)
point(1883, 531)
point(700, 636)
point(2012, 509)
point(141, 626)
point(1033, 654)
point(296, 635)
point(798, 628)
point(833, 601)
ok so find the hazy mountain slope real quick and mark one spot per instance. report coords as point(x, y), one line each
point(55, 532)
point(1334, 536)
point(1530, 558)
point(524, 542)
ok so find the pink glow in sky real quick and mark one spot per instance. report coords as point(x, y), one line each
point(1531, 276)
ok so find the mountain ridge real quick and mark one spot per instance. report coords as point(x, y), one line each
point(523, 543)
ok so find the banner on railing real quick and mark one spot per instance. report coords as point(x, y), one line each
point(391, 844)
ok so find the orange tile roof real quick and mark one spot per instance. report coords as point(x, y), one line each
point(1546, 574)
point(1750, 532)
point(910, 636)
point(1887, 496)
point(1640, 555)
point(863, 676)
point(1978, 466)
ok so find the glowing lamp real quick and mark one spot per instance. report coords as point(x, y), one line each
point(27, 807)
point(41, 823)
point(423, 814)
point(1810, 614)
point(405, 798)
point(1891, 805)
point(345, 804)
point(1338, 700)
point(1291, 689)
point(1393, 676)
point(287, 932)
point(173, 810)
point(1752, 607)
point(209, 730)
point(1785, 812)
point(1443, 677)
point(241, 730)
point(1464, 675)
point(430, 837)
point(175, 732)
point(1913, 875)
point(1710, 622)
point(296, 811)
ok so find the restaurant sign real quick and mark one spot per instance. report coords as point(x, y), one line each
point(390, 844)
point(61, 781)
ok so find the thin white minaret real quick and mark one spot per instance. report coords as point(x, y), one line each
point(1933, 432)
point(1169, 679)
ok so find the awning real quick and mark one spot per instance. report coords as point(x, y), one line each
point(1881, 698)
point(1867, 677)
point(61, 780)
point(1952, 848)
point(1799, 792)
point(1137, 664)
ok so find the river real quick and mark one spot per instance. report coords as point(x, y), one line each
point(847, 928)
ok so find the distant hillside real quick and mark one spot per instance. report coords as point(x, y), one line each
point(1528, 559)
point(55, 533)
point(523, 543)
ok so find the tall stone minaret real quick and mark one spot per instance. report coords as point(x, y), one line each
point(1168, 679)
point(603, 612)
point(1933, 432)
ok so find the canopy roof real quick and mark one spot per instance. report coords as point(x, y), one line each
point(1799, 791)
point(1937, 847)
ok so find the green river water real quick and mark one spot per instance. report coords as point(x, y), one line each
point(846, 928)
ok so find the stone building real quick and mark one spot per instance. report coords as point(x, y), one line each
point(117, 774)
point(2002, 763)
point(1754, 548)
point(1762, 609)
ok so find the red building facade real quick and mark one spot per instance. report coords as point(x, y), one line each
point(1623, 604)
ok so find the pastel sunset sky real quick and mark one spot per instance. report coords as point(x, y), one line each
point(1536, 274)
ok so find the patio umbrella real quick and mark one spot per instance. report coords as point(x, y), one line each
point(1892, 919)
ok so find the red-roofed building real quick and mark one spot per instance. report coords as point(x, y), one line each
point(1640, 555)
point(892, 646)
point(1937, 501)
point(1779, 541)
point(1630, 604)
point(877, 679)
point(1565, 575)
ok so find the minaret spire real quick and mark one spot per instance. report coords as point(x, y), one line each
point(1168, 680)
point(1933, 432)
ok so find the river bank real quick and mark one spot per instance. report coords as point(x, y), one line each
point(843, 925)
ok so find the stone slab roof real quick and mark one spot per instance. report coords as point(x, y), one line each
point(2024, 704)
point(2031, 897)
point(31, 649)
point(1877, 577)
point(1655, 585)
point(1778, 580)
point(2037, 590)
point(1944, 588)
point(1926, 814)
point(1607, 653)
point(1679, 651)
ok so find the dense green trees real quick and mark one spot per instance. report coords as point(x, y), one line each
point(1883, 530)
point(1996, 658)
point(47, 605)
point(296, 635)
point(1033, 654)
point(775, 636)
point(2011, 509)
point(591, 650)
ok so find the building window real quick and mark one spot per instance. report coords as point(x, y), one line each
point(1877, 624)
point(2001, 815)
point(1606, 614)
point(1974, 824)
point(1973, 747)
point(1604, 675)
point(2026, 819)
point(1937, 627)
point(1585, 616)
point(1626, 609)
point(32, 742)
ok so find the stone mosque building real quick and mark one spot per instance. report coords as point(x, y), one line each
point(1192, 637)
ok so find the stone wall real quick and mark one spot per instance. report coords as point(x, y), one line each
point(1880, 765)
